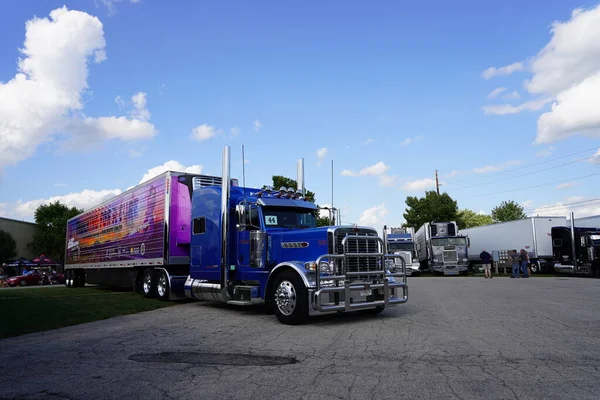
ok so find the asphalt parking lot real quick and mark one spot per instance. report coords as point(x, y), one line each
point(456, 338)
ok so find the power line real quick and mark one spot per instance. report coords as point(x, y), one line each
point(529, 173)
point(522, 167)
point(536, 186)
point(581, 204)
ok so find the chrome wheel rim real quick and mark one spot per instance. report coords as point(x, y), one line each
point(285, 297)
point(161, 286)
point(147, 283)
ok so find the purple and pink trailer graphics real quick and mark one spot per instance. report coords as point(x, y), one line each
point(146, 225)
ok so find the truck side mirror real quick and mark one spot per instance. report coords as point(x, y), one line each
point(241, 216)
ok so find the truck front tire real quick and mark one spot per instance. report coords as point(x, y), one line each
point(290, 298)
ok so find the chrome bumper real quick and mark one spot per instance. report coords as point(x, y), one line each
point(346, 292)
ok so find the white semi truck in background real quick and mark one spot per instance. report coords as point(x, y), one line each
point(400, 241)
point(441, 249)
point(534, 234)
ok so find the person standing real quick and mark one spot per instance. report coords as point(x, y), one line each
point(524, 259)
point(514, 258)
point(486, 260)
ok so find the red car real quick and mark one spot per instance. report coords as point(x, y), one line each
point(32, 279)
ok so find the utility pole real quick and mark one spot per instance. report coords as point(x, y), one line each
point(437, 183)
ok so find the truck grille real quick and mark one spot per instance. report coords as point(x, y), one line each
point(450, 256)
point(369, 244)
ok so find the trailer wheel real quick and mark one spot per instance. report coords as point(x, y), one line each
point(69, 279)
point(149, 283)
point(290, 298)
point(163, 287)
point(535, 267)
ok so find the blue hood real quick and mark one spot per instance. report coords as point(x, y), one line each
point(297, 245)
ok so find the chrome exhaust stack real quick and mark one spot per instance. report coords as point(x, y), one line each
point(203, 290)
point(300, 177)
point(573, 249)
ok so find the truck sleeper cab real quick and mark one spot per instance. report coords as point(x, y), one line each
point(263, 246)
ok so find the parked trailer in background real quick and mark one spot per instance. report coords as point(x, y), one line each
point(145, 228)
point(441, 250)
point(587, 222)
point(532, 234)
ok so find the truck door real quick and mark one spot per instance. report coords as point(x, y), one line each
point(252, 224)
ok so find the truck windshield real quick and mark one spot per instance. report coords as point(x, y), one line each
point(456, 241)
point(397, 246)
point(289, 217)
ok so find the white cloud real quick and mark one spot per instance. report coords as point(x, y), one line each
point(368, 141)
point(111, 4)
point(120, 102)
point(512, 95)
point(566, 185)
point(373, 170)
point(503, 71)
point(595, 158)
point(564, 208)
point(494, 93)
point(387, 180)
point(575, 111)
point(171, 165)
point(453, 174)
point(497, 167)
point(546, 152)
point(235, 131)
point(408, 141)
point(504, 109)
point(373, 216)
point(257, 125)
point(419, 185)
point(47, 90)
point(51, 78)
point(527, 203)
point(321, 153)
point(204, 132)
point(84, 199)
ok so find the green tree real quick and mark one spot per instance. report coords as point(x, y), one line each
point(8, 247)
point(282, 181)
point(51, 229)
point(508, 211)
point(432, 207)
point(470, 219)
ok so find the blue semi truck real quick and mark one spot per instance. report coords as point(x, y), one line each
point(252, 246)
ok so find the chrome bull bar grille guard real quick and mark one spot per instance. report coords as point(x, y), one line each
point(346, 282)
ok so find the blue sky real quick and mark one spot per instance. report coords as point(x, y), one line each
point(392, 91)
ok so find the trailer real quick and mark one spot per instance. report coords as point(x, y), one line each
point(587, 222)
point(178, 234)
point(440, 249)
point(146, 227)
point(532, 234)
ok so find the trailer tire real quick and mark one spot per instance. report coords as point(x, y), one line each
point(290, 298)
point(149, 283)
point(535, 267)
point(163, 286)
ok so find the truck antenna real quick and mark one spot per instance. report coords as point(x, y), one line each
point(243, 168)
point(332, 222)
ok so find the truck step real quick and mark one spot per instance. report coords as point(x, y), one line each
point(239, 303)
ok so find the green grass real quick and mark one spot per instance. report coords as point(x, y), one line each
point(35, 310)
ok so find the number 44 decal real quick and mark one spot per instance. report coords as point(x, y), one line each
point(270, 220)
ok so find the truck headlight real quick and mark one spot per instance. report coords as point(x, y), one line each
point(435, 260)
point(324, 267)
point(465, 259)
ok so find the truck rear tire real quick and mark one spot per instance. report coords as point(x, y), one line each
point(290, 298)
point(163, 286)
point(149, 283)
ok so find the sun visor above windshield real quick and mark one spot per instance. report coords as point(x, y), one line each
point(275, 202)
